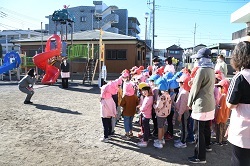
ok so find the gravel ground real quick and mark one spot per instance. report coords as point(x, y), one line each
point(63, 127)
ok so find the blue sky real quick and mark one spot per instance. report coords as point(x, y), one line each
point(175, 19)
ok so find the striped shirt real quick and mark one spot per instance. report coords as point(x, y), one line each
point(239, 94)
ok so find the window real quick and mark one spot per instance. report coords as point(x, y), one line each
point(174, 52)
point(122, 54)
point(171, 52)
point(110, 54)
point(83, 19)
point(116, 54)
point(138, 55)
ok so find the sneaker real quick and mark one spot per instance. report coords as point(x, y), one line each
point(177, 141)
point(125, 137)
point(142, 144)
point(158, 144)
point(28, 102)
point(191, 142)
point(109, 137)
point(208, 148)
point(140, 135)
point(104, 139)
point(217, 143)
point(163, 142)
point(178, 134)
point(130, 134)
point(180, 145)
point(112, 132)
point(196, 161)
point(213, 134)
point(224, 143)
point(189, 158)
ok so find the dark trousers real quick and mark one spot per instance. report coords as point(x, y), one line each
point(154, 119)
point(65, 83)
point(240, 156)
point(190, 128)
point(107, 126)
point(184, 118)
point(204, 138)
point(29, 93)
point(220, 132)
point(170, 129)
point(145, 128)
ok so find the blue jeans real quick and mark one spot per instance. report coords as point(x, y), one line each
point(128, 123)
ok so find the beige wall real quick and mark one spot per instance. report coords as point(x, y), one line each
point(113, 66)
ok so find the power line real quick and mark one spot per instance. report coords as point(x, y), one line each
point(20, 14)
point(8, 26)
point(194, 11)
point(16, 17)
point(227, 1)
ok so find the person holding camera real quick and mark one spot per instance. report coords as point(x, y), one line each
point(25, 85)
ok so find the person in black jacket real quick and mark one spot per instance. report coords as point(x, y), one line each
point(65, 74)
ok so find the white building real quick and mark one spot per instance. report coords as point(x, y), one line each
point(7, 35)
point(242, 15)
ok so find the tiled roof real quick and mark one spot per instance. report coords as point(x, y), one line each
point(85, 36)
point(174, 47)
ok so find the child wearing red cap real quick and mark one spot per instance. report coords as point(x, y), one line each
point(108, 107)
point(129, 103)
point(222, 113)
point(182, 109)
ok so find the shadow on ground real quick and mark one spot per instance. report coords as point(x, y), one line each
point(56, 109)
point(169, 153)
point(94, 89)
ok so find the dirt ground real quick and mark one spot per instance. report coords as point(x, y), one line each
point(63, 127)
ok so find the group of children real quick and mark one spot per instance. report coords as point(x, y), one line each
point(160, 94)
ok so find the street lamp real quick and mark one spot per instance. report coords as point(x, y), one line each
point(146, 34)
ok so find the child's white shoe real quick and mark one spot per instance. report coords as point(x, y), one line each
point(180, 145)
point(104, 139)
point(142, 144)
point(158, 144)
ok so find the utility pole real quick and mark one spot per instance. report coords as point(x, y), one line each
point(153, 47)
point(42, 36)
point(152, 19)
point(194, 36)
point(101, 58)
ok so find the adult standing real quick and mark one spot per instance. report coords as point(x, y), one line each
point(201, 100)
point(65, 74)
point(238, 100)
point(221, 65)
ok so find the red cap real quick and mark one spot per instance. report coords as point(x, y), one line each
point(141, 67)
point(224, 83)
point(149, 68)
point(185, 78)
point(193, 71)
